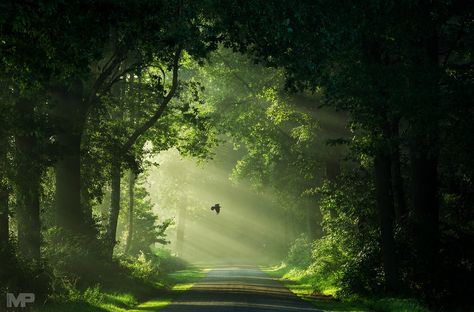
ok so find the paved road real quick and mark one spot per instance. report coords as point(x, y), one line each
point(238, 289)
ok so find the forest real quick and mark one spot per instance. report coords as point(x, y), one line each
point(337, 138)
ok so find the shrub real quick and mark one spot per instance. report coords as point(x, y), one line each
point(19, 275)
point(77, 257)
point(141, 267)
point(299, 254)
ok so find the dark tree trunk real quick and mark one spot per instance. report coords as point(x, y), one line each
point(397, 180)
point(131, 206)
point(4, 194)
point(4, 213)
point(87, 210)
point(68, 184)
point(70, 112)
point(333, 170)
point(386, 217)
point(114, 206)
point(28, 177)
point(424, 151)
point(86, 203)
point(315, 230)
point(425, 216)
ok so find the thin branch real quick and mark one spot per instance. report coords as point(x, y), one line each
point(163, 73)
point(159, 112)
point(121, 74)
point(112, 65)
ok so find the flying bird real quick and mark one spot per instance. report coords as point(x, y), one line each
point(216, 208)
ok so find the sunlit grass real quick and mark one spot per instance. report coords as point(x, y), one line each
point(298, 282)
point(180, 281)
point(95, 300)
point(152, 305)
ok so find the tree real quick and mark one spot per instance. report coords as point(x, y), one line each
point(381, 62)
point(131, 140)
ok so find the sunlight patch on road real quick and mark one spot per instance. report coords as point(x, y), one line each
point(152, 305)
point(234, 304)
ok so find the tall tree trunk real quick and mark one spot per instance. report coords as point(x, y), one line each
point(397, 180)
point(68, 197)
point(70, 112)
point(4, 216)
point(386, 217)
point(114, 206)
point(180, 230)
point(4, 196)
point(333, 170)
point(87, 210)
point(28, 177)
point(131, 205)
point(4, 193)
point(86, 203)
point(314, 217)
point(425, 216)
point(424, 151)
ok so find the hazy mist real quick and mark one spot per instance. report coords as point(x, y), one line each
point(246, 229)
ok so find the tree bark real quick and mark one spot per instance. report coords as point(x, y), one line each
point(426, 216)
point(386, 217)
point(424, 151)
point(4, 194)
point(397, 180)
point(86, 205)
point(70, 111)
point(4, 212)
point(28, 177)
point(333, 170)
point(114, 206)
point(314, 217)
point(131, 205)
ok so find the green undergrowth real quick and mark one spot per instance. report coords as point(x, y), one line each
point(178, 282)
point(125, 293)
point(323, 296)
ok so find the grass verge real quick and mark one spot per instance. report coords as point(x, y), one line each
point(96, 299)
point(178, 283)
point(301, 285)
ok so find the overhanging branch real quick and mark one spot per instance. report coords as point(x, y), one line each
point(159, 112)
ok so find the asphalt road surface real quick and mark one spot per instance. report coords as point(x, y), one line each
point(238, 289)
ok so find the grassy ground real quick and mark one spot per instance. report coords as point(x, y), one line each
point(96, 299)
point(180, 281)
point(300, 284)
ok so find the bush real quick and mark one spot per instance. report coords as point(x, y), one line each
point(141, 267)
point(167, 261)
point(347, 257)
point(18, 275)
point(75, 257)
point(396, 305)
point(299, 254)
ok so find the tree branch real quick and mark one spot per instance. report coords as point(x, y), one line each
point(116, 77)
point(111, 66)
point(159, 112)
